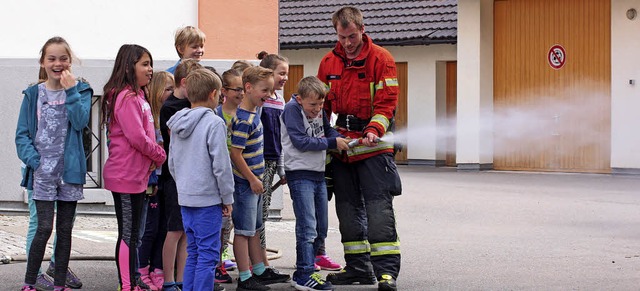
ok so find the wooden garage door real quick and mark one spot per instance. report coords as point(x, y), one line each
point(546, 118)
point(401, 110)
point(296, 73)
point(451, 113)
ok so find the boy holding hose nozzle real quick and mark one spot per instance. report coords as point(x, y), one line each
point(306, 135)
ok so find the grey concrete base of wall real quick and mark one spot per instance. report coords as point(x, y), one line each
point(472, 167)
point(428, 163)
point(96, 209)
point(625, 171)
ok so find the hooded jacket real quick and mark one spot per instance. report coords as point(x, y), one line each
point(78, 104)
point(132, 144)
point(199, 159)
point(305, 143)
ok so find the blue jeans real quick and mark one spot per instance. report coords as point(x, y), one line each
point(202, 227)
point(310, 208)
point(247, 209)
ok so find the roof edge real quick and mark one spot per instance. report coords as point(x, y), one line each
point(408, 42)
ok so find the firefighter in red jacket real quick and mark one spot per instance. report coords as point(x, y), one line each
point(363, 92)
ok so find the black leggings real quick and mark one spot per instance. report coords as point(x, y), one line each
point(150, 251)
point(128, 210)
point(64, 225)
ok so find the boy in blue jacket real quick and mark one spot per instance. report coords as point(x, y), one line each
point(306, 135)
point(199, 162)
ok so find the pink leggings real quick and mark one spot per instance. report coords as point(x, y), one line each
point(128, 210)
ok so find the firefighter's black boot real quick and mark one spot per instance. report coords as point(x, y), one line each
point(349, 277)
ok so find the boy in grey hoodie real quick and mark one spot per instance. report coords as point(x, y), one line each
point(200, 164)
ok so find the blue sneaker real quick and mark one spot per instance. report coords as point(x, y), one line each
point(171, 287)
point(295, 277)
point(312, 282)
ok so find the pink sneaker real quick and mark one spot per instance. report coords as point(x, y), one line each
point(146, 280)
point(157, 278)
point(325, 263)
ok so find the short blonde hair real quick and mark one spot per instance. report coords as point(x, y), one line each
point(186, 36)
point(255, 74)
point(309, 85)
point(200, 84)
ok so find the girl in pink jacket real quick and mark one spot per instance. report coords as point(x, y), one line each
point(133, 151)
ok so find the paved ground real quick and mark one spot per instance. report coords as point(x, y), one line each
point(459, 231)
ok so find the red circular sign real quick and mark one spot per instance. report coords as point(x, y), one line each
point(557, 56)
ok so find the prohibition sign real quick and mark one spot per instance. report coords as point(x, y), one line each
point(557, 57)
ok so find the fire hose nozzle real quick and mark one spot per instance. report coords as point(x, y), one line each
point(355, 142)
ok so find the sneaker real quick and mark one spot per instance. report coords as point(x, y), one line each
point(294, 278)
point(218, 287)
point(251, 284)
point(62, 289)
point(326, 263)
point(226, 260)
point(157, 278)
point(229, 265)
point(28, 288)
point(145, 280)
point(387, 283)
point(271, 276)
point(222, 276)
point(143, 286)
point(173, 287)
point(44, 282)
point(72, 280)
point(348, 278)
point(313, 282)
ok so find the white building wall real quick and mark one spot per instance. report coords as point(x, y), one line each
point(625, 97)
point(422, 131)
point(310, 58)
point(22, 73)
point(94, 29)
point(422, 120)
point(474, 148)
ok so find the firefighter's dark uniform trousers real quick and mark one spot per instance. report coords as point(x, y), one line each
point(364, 192)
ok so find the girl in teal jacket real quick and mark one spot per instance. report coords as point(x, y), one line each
point(52, 118)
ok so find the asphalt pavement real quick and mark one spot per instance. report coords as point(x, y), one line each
point(458, 231)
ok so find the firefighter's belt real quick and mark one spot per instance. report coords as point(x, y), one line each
point(351, 122)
